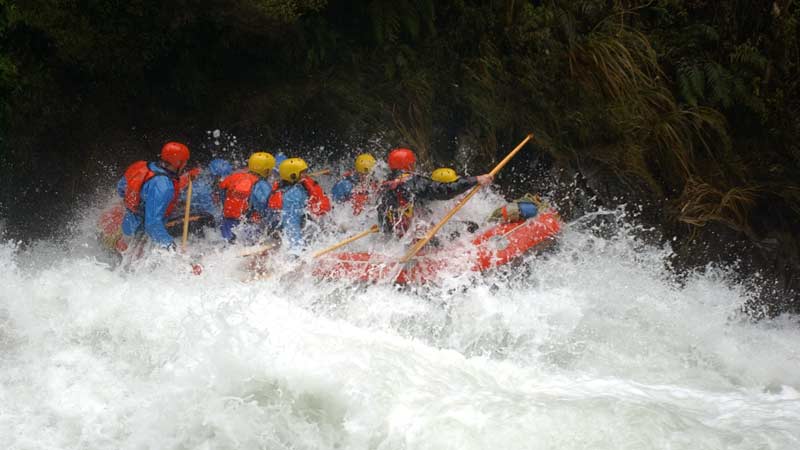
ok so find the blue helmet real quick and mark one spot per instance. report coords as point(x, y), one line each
point(220, 167)
point(279, 158)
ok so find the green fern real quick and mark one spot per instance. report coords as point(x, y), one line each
point(701, 34)
point(747, 56)
point(720, 84)
point(391, 19)
point(691, 82)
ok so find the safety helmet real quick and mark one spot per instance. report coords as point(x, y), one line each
point(175, 154)
point(402, 159)
point(261, 163)
point(292, 168)
point(444, 175)
point(364, 163)
point(220, 167)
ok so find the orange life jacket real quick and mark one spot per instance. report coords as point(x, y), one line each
point(318, 202)
point(136, 175)
point(238, 187)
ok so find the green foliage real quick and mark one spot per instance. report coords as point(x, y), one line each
point(393, 21)
point(693, 101)
point(285, 11)
point(8, 69)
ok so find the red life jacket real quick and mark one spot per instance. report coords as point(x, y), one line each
point(318, 203)
point(362, 191)
point(238, 187)
point(361, 195)
point(275, 201)
point(136, 175)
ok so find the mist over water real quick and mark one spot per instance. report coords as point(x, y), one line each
point(594, 344)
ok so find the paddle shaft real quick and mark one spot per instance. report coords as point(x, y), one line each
point(320, 172)
point(421, 243)
point(258, 251)
point(172, 223)
point(372, 229)
point(186, 214)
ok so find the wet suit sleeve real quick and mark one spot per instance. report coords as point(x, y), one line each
point(342, 190)
point(294, 208)
point(259, 197)
point(157, 194)
point(202, 199)
point(428, 189)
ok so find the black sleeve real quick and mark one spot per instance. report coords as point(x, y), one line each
point(428, 189)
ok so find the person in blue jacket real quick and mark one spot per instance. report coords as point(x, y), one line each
point(279, 158)
point(292, 198)
point(151, 190)
point(207, 197)
point(357, 188)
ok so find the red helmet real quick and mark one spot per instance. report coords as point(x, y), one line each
point(175, 154)
point(402, 159)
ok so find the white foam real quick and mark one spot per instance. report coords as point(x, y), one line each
point(594, 346)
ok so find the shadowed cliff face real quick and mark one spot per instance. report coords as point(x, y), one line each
point(688, 110)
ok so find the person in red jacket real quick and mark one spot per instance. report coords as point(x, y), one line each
point(247, 194)
point(150, 191)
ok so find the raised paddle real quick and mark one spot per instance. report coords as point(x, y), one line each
point(421, 243)
point(186, 215)
point(372, 229)
point(320, 172)
point(197, 269)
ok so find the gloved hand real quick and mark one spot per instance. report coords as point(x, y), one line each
point(484, 179)
point(194, 173)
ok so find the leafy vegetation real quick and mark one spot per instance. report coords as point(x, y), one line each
point(691, 106)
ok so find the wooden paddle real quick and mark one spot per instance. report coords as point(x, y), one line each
point(421, 243)
point(320, 172)
point(174, 222)
point(186, 215)
point(258, 251)
point(372, 229)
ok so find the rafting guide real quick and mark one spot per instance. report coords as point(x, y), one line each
point(406, 190)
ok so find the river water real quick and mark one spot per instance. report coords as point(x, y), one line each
point(595, 345)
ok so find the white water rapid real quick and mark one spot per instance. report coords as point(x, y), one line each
point(593, 346)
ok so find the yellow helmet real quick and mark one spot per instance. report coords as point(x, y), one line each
point(291, 169)
point(364, 163)
point(261, 163)
point(444, 175)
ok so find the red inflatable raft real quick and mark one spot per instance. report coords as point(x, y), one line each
point(494, 247)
